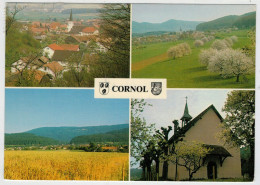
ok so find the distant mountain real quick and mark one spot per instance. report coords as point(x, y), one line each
point(170, 26)
point(65, 134)
point(80, 10)
point(27, 139)
point(119, 136)
point(243, 21)
point(152, 33)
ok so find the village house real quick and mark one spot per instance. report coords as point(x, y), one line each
point(89, 31)
point(52, 68)
point(29, 63)
point(222, 161)
point(63, 56)
point(50, 49)
point(109, 148)
point(81, 30)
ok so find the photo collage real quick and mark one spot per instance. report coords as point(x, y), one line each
point(56, 129)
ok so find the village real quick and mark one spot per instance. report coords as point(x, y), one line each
point(92, 147)
point(60, 41)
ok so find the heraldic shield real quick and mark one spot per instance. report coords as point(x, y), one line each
point(103, 88)
point(156, 88)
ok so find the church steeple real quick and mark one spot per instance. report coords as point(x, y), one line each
point(186, 116)
point(70, 14)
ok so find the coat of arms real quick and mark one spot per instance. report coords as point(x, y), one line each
point(103, 88)
point(156, 88)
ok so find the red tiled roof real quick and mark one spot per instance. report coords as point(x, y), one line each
point(89, 30)
point(70, 47)
point(38, 74)
point(109, 148)
point(55, 47)
point(54, 66)
point(38, 30)
point(54, 25)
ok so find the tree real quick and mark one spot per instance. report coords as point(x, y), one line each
point(231, 63)
point(77, 74)
point(219, 45)
point(228, 41)
point(249, 50)
point(163, 142)
point(179, 50)
point(206, 54)
point(239, 123)
point(234, 38)
point(141, 134)
point(115, 37)
point(198, 43)
point(11, 17)
point(189, 155)
point(205, 39)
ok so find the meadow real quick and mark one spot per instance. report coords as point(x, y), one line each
point(151, 61)
point(66, 165)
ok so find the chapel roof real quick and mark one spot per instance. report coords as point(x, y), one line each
point(217, 150)
point(190, 124)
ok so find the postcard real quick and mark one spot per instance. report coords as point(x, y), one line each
point(114, 91)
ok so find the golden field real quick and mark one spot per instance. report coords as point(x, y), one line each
point(65, 165)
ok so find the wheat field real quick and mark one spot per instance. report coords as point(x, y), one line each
point(65, 165)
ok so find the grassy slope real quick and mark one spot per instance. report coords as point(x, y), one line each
point(187, 71)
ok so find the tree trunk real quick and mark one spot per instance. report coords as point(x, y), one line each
point(149, 172)
point(237, 78)
point(165, 170)
point(157, 163)
point(190, 175)
point(143, 173)
point(252, 161)
point(176, 169)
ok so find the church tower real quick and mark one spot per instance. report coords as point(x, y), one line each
point(70, 23)
point(186, 116)
point(70, 14)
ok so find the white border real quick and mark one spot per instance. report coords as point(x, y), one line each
point(2, 91)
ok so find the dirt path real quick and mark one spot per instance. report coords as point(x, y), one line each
point(142, 64)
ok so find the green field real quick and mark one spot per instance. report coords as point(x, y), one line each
point(151, 61)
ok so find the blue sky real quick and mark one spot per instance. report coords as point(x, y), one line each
point(163, 112)
point(26, 109)
point(157, 13)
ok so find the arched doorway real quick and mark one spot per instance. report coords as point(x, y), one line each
point(212, 170)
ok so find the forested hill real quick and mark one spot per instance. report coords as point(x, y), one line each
point(27, 139)
point(65, 134)
point(117, 136)
point(81, 10)
point(169, 26)
point(247, 20)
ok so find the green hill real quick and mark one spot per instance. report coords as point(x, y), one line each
point(247, 20)
point(27, 139)
point(168, 26)
point(118, 136)
point(65, 134)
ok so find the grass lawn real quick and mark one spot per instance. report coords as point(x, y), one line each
point(152, 62)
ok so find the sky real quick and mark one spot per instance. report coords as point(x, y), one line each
point(26, 109)
point(157, 13)
point(163, 112)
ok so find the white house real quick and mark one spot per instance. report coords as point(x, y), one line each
point(70, 25)
point(19, 65)
point(52, 68)
point(49, 50)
